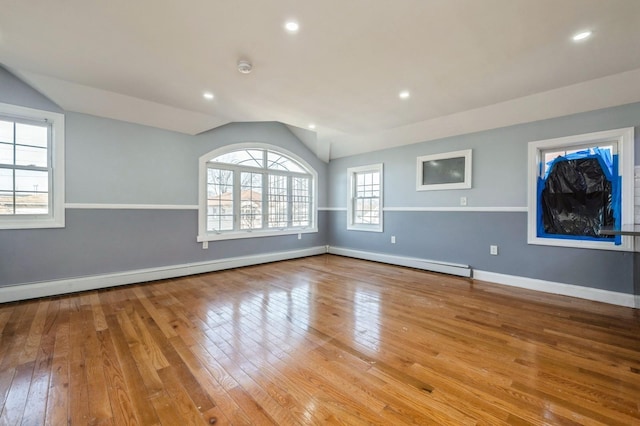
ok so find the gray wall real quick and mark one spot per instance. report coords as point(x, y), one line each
point(499, 161)
point(96, 242)
point(15, 92)
point(499, 180)
point(113, 162)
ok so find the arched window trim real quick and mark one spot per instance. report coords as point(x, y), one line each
point(204, 235)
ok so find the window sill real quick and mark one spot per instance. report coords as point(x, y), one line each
point(627, 243)
point(31, 224)
point(254, 234)
point(376, 228)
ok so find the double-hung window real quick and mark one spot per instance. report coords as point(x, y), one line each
point(31, 168)
point(255, 190)
point(364, 206)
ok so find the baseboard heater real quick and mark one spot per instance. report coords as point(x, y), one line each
point(412, 262)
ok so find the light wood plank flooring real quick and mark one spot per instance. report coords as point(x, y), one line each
point(320, 340)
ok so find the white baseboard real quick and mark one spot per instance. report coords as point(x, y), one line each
point(72, 285)
point(595, 294)
point(412, 262)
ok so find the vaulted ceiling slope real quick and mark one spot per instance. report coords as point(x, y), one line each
point(468, 65)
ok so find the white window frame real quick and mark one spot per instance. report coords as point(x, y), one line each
point(465, 184)
point(351, 174)
point(205, 235)
point(624, 139)
point(55, 218)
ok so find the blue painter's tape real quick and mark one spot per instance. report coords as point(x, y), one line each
point(609, 165)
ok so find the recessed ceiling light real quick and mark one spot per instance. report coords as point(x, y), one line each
point(582, 35)
point(292, 26)
point(312, 126)
point(207, 95)
point(404, 94)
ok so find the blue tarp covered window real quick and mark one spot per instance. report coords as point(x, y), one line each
point(579, 193)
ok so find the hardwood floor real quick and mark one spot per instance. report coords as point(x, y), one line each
point(320, 340)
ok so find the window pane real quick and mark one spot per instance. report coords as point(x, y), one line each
point(220, 181)
point(254, 189)
point(219, 200)
point(32, 203)
point(368, 185)
point(6, 153)
point(6, 202)
point(28, 134)
point(277, 161)
point(31, 156)
point(374, 213)
point(277, 201)
point(300, 202)
point(220, 222)
point(550, 156)
point(32, 181)
point(6, 180)
point(6, 131)
point(250, 200)
point(367, 198)
point(245, 157)
point(357, 211)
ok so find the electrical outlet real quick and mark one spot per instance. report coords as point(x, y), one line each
point(463, 201)
point(205, 245)
point(393, 239)
point(299, 235)
point(493, 250)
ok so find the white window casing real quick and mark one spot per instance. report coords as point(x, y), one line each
point(365, 199)
point(55, 211)
point(623, 141)
point(264, 205)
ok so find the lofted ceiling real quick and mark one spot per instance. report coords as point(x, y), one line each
point(469, 65)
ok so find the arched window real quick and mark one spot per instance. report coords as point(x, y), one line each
point(255, 190)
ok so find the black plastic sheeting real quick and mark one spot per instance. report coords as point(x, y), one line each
point(577, 199)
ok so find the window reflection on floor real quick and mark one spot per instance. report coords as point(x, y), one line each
point(367, 318)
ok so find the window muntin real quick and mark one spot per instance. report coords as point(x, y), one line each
point(617, 144)
point(549, 155)
point(24, 167)
point(256, 192)
point(278, 194)
point(251, 200)
point(243, 157)
point(31, 168)
point(365, 198)
point(301, 201)
point(276, 161)
point(219, 200)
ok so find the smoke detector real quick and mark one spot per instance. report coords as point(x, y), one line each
point(244, 67)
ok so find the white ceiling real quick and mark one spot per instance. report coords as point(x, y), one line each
point(469, 64)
